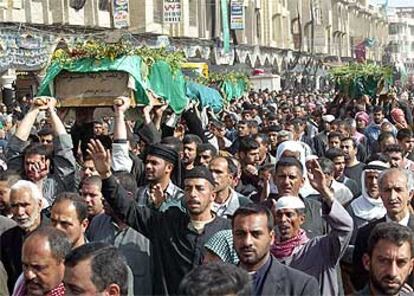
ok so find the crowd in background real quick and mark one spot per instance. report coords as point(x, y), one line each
point(280, 193)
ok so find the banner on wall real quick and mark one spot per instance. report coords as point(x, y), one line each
point(236, 15)
point(121, 14)
point(172, 11)
point(25, 51)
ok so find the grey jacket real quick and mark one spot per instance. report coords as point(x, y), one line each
point(320, 255)
point(283, 280)
point(132, 244)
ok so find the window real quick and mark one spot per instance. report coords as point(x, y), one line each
point(393, 29)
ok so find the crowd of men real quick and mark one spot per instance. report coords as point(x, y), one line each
point(278, 194)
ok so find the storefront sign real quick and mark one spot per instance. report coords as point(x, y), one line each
point(236, 15)
point(121, 14)
point(172, 11)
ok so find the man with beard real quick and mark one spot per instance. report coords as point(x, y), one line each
point(253, 236)
point(249, 156)
point(389, 260)
point(177, 237)
point(396, 192)
point(161, 165)
point(190, 143)
point(43, 257)
point(353, 167)
point(26, 203)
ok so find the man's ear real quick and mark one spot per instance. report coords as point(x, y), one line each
point(301, 218)
point(113, 290)
point(85, 223)
point(272, 235)
point(366, 261)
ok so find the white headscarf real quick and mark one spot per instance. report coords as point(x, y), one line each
point(295, 146)
point(366, 207)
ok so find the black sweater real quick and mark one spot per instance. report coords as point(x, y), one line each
point(176, 248)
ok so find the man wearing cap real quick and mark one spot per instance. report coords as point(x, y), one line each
point(319, 256)
point(177, 237)
point(162, 164)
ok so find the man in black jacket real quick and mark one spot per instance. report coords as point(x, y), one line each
point(253, 235)
point(177, 237)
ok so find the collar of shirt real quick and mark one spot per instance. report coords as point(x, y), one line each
point(58, 291)
point(403, 221)
point(169, 191)
point(219, 209)
point(259, 276)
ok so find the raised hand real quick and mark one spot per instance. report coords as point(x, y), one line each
point(318, 179)
point(121, 104)
point(156, 195)
point(159, 110)
point(101, 158)
point(42, 103)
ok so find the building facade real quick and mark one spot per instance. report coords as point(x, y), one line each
point(401, 36)
point(277, 35)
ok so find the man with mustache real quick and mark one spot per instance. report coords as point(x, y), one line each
point(162, 163)
point(177, 237)
point(319, 256)
point(43, 257)
point(396, 191)
point(388, 259)
point(26, 203)
point(253, 236)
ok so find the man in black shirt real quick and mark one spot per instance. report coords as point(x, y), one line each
point(177, 237)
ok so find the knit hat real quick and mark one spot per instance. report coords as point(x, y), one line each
point(289, 202)
point(200, 172)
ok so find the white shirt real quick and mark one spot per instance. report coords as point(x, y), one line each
point(403, 221)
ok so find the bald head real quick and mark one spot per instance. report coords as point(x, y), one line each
point(43, 256)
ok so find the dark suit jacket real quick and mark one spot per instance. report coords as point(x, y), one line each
point(359, 276)
point(283, 280)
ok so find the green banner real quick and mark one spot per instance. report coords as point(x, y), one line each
point(225, 25)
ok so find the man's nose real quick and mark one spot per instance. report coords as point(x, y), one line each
point(29, 274)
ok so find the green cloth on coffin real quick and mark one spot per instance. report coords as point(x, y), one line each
point(170, 86)
point(129, 64)
point(233, 90)
point(208, 97)
point(161, 80)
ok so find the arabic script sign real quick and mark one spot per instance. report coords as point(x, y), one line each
point(86, 88)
